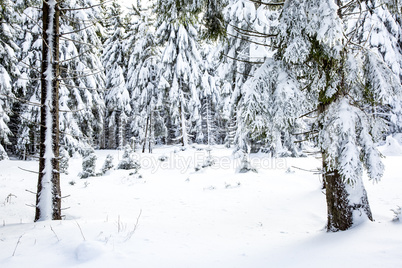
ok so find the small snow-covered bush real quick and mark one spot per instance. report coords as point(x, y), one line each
point(108, 164)
point(397, 214)
point(128, 162)
point(162, 158)
point(88, 163)
point(245, 165)
point(64, 157)
point(208, 162)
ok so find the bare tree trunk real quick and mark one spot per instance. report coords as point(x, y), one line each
point(184, 135)
point(146, 135)
point(150, 132)
point(48, 198)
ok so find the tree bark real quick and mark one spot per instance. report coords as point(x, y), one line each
point(339, 206)
point(146, 135)
point(49, 176)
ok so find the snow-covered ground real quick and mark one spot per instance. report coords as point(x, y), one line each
point(172, 216)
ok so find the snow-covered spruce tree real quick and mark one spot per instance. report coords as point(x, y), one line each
point(246, 47)
point(147, 124)
point(269, 106)
point(181, 64)
point(117, 97)
point(88, 163)
point(48, 197)
point(82, 76)
point(344, 77)
point(270, 100)
point(27, 86)
point(8, 70)
point(128, 160)
point(382, 32)
point(108, 164)
point(210, 100)
point(64, 159)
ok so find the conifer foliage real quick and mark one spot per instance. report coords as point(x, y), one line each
point(8, 70)
point(117, 97)
point(181, 65)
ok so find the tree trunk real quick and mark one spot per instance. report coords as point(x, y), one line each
point(48, 198)
point(184, 136)
point(150, 132)
point(343, 200)
point(146, 135)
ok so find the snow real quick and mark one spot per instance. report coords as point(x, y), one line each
point(391, 147)
point(172, 216)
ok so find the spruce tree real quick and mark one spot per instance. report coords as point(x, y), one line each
point(27, 86)
point(236, 67)
point(181, 59)
point(117, 96)
point(83, 81)
point(381, 31)
point(344, 77)
point(8, 70)
point(147, 123)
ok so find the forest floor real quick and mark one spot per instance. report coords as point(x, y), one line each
point(169, 215)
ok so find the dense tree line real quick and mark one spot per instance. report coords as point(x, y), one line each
point(254, 75)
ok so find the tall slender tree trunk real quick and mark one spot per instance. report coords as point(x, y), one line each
point(151, 137)
point(146, 135)
point(48, 198)
point(184, 134)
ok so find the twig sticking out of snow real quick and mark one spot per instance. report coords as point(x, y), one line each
point(308, 170)
point(18, 242)
point(81, 231)
point(51, 228)
point(130, 234)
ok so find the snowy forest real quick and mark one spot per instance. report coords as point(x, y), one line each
point(279, 78)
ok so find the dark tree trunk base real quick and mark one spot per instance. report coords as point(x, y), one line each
point(340, 209)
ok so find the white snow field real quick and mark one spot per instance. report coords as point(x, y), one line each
point(172, 216)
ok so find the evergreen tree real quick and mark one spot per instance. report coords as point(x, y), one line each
point(81, 102)
point(128, 160)
point(344, 77)
point(237, 66)
point(209, 133)
point(270, 104)
point(181, 69)
point(147, 123)
point(117, 97)
point(88, 163)
point(27, 86)
point(108, 164)
point(8, 70)
point(382, 32)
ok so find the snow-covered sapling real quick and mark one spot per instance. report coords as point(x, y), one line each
point(162, 158)
point(108, 164)
point(208, 162)
point(128, 161)
point(64, 157)
point(88, 163)
point(245, 165)
point(397, 214)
